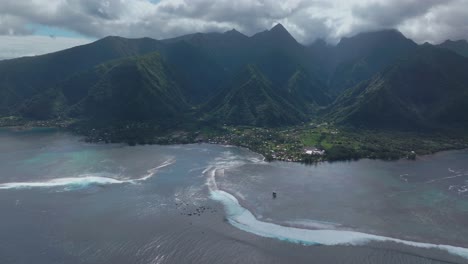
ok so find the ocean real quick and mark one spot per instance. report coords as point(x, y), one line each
point(66, 201)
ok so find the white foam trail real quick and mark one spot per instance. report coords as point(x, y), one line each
point(446, 178)
point(243, 219)
point(77, 181)
point(310, 224)
point(152, 172)
point(82, 181)
point(211, 182)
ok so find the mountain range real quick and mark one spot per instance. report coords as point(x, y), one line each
point(375, 79)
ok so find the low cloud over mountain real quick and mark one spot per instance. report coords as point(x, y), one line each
point(307, 20)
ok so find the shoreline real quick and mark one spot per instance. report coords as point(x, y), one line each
point(273, 144)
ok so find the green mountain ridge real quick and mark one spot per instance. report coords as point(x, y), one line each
point(459, 46)
point(358, 58)
point(250, 100)
point(25, 77)
point(308, 93)
point(427, 90)
point(134, 88)
point(376, 79)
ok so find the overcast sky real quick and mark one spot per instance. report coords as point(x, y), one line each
point(30, 27)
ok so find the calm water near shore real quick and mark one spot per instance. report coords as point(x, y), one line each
point(65, 201)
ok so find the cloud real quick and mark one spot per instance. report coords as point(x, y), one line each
point(428, 20)
point(439, 23)
point(392, 13)
point(18, 46)
point(11, 25)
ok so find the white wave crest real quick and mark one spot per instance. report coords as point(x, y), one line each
point(152, 172)
point(75, 181)
point(243, 219)
point(83, 180)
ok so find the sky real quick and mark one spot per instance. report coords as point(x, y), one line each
point(33, 27)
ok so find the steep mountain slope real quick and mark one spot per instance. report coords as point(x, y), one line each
point(321, 54)
point(134, 88)
point(277, 48)
point(359, 57)
point(202, 62)
point(233, 50)
point(428, 89)
point(459, 46)
point(198, 73)
point(229, 49)
point(276, 38)
point(278, 66)
point(381, 79)
point(249, 99)
point(22, 78)
point(307, 93)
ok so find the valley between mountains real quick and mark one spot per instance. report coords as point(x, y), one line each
point(374, 95)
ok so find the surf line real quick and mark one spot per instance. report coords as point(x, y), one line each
point(243, 219)
point(84, 180)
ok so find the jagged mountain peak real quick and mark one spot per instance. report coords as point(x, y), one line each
point(281, 31)
point(373, 37)
point(457, 46)
point(278, 34)
point(234, 32)
point(279, 28)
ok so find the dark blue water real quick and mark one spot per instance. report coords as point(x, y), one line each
point(66, 201)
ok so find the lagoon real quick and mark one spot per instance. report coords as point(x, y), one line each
point(67, 201)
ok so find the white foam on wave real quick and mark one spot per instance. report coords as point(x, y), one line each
point(312, 224)
point(75, 181)
point(83, 180)
point(243, 219)
point(152, 172)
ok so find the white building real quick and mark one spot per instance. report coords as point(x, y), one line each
point(314, 151)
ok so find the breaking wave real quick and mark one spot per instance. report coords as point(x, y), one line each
point(83, 181)
point(321, 234)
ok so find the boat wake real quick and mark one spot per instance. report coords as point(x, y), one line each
point(326, 234)
point(84, 180)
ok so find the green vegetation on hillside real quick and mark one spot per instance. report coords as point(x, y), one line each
point(428, 90)
point(134, 88)
point(385, 95)
point(250, 100)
